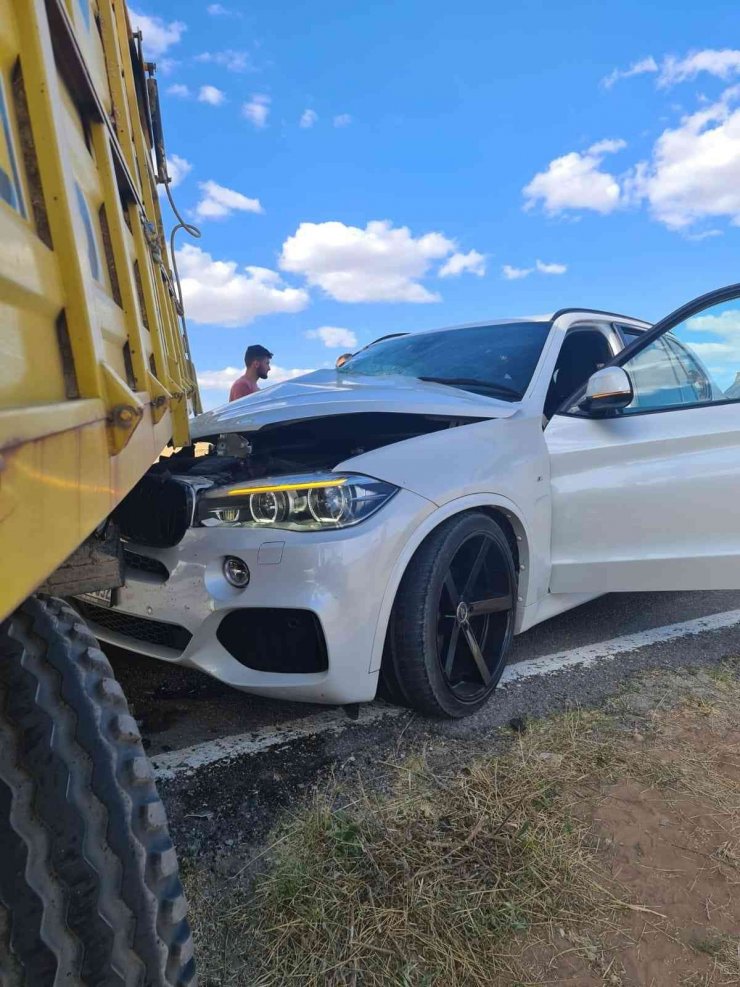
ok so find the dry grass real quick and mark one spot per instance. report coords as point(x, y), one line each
point(724, 951)
point(398, 890)
point(486, 872)
point(437, 883)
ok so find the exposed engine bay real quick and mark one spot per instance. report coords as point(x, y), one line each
point(160, 508)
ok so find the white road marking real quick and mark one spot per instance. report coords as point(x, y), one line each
point(190, 759)
point(602, 650)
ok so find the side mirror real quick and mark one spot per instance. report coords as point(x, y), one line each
point(607, 390)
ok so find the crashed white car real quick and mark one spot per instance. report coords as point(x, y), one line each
point(397, 520)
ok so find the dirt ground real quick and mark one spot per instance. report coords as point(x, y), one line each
point(674, 849)
point(597, 847)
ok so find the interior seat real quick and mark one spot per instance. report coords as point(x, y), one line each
point(583, 352)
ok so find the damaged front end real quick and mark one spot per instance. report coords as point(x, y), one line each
point(217, 481)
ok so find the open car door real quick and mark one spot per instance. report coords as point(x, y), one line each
point(645, 461)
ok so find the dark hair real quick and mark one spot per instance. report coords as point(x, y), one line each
point(256, 352)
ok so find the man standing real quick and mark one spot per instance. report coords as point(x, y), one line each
point(257, 361)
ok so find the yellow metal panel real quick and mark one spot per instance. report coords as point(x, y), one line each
point(29, 273)
point(55, 489)
point(114, 57)
point(80, 422)
point(51, 490)
point(84, 16)
point(47, 419)
point(30, 363)
point(13, 189)
point(121, 250)
point(46, 108)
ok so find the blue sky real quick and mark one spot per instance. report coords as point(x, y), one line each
point(359, 169)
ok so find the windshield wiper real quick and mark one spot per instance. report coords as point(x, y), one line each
point(501, 389)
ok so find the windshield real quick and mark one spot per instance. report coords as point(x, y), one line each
point(498, 360)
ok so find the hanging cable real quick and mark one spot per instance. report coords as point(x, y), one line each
point(196, 234)
point(192, 231)
point(163, 178)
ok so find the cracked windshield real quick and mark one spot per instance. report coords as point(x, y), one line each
point(497, 359)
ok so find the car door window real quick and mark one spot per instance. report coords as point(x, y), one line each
point(696, 363)
point(583, 352)
point(628, 333)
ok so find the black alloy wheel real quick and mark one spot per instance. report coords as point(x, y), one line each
point(453, 619)
point(474, 611)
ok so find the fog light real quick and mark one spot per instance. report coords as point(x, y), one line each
point(236, 572)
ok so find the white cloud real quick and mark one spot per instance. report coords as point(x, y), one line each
point(703, 235)
point(512, 273)
point(215, 292)
point(723, 353)
point(378, 264)
point(257, 110)
point(166, 66)
point(575, 181)
point(694, 172)
point(211, 95)
point(726, 323)
point(216, 9)
point(178, 169)
point(158, 35)
point(308, 119)
point(515, 273)
point(342, 120)
point(722, 63)
point(221, 380)
point(219, 202)
point(607, 146)
point(230, 59)
point(334, 338)
point(178, 89)
point(551, 268)
point(637, 68)
point(473, 262)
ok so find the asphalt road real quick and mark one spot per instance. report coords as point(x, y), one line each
point(177, 708)
point(229, 764)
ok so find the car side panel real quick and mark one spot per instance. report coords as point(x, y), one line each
point(495, 462)
point(646, 502)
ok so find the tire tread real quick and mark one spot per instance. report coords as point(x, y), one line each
point(76, 746)
point(403, 673)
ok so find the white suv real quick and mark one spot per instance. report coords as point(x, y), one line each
point(400, 518)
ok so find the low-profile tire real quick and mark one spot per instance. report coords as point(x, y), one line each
point(452, 620)
point(89, 886)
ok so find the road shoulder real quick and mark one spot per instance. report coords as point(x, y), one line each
point(598, 845)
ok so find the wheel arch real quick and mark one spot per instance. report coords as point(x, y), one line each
point(502, 510)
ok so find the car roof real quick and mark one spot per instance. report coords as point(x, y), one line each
point(640, 324)
point(616, 316)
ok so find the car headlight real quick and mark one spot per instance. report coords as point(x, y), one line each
point(300, 503)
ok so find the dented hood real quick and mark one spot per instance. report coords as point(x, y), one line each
point(325, 392)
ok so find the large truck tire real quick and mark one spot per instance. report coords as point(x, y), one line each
point(89, 887)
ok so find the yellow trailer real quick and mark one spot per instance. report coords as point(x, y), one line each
point(95, 379)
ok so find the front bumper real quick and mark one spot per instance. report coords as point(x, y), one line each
point(340, 576)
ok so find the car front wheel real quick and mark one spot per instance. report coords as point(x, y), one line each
point(452, 620)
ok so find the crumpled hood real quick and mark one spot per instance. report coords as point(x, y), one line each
point(325, 392)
